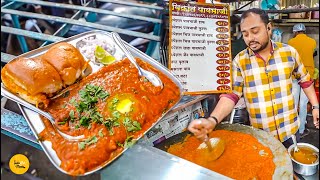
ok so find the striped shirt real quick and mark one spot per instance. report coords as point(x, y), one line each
point(267, 88)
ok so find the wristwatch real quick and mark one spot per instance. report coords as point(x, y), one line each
point(315, 107)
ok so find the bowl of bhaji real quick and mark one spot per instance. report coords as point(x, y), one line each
point(306, 160)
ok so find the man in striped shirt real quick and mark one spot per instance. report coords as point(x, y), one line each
point(262, 73)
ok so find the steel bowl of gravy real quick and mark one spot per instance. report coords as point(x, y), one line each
point(306, 160)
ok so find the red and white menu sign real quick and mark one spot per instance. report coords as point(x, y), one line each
point(199, 46)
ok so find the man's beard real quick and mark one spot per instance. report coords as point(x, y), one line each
point(263, 46)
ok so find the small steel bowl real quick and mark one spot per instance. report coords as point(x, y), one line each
point(304, 169)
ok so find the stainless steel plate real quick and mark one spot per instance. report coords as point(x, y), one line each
point(80, 41)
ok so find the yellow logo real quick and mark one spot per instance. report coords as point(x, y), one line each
point(19, 164)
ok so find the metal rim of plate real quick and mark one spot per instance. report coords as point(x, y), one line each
point(136, 53)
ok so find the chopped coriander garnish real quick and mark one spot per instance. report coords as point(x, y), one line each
point(84, 121)
point(86, 106)
point(87, 142)
point(114, 103)
point(81, 145)
point(131, 126)
point(110, 123)
point(89, 96)
point(100, 133)
point(116, 114)
point(71, 114)
point(115, 100)
point(73, 101)
point(119, 144)
point(129, 142)
point(63, 122)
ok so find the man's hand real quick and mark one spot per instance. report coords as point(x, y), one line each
point(315, 115)
point(201, 127)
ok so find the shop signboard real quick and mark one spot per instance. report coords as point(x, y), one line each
point(200, 46)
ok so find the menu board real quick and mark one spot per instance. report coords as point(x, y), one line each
point(199, 46)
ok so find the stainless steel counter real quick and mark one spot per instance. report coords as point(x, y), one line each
point(312, 177)
point(143, 162)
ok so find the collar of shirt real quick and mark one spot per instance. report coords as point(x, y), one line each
point(301, 35)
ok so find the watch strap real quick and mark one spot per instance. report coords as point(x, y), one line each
point(315, 107)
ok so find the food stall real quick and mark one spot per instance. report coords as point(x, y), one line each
point(148, 157)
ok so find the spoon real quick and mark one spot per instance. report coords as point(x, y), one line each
point(24, 103)
point(212, 148)
point(208, 143)
point(296, 149)
point(154, 79)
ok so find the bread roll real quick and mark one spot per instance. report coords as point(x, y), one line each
point(32, 79)
point(67, 60)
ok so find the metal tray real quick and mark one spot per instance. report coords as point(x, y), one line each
point(33, 119)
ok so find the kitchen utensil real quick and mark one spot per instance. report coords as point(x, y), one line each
point(296, 149)
point(305, 169)
point(213, 148)
point(208, 143)
point(154, 79)
point(22, 102)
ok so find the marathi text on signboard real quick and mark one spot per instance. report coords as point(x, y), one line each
point(199, 46)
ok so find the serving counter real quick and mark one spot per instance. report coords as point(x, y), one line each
point(146, 162)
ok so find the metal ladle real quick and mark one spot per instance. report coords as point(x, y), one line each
point(154, 79)
point(24, 103)
point(215, 148)
point(296, 149)
point(208, 143)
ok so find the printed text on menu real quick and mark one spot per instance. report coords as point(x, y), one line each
point(200, 47)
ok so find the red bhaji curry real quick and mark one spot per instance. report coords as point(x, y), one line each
point(111, 108)
point(243, 157)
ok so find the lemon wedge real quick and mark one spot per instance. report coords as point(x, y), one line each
point(103, 56)
point(124, 106)
point(107, 60)
point(99, 53)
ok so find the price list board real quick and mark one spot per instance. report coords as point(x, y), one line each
point(200, 46)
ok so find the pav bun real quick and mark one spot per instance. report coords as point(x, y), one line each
point(32, 79)
point(67, 60)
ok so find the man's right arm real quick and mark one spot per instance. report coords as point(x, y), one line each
point(201, 127)
point(223, 108)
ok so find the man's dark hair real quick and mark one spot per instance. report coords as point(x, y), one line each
point(263, 15)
